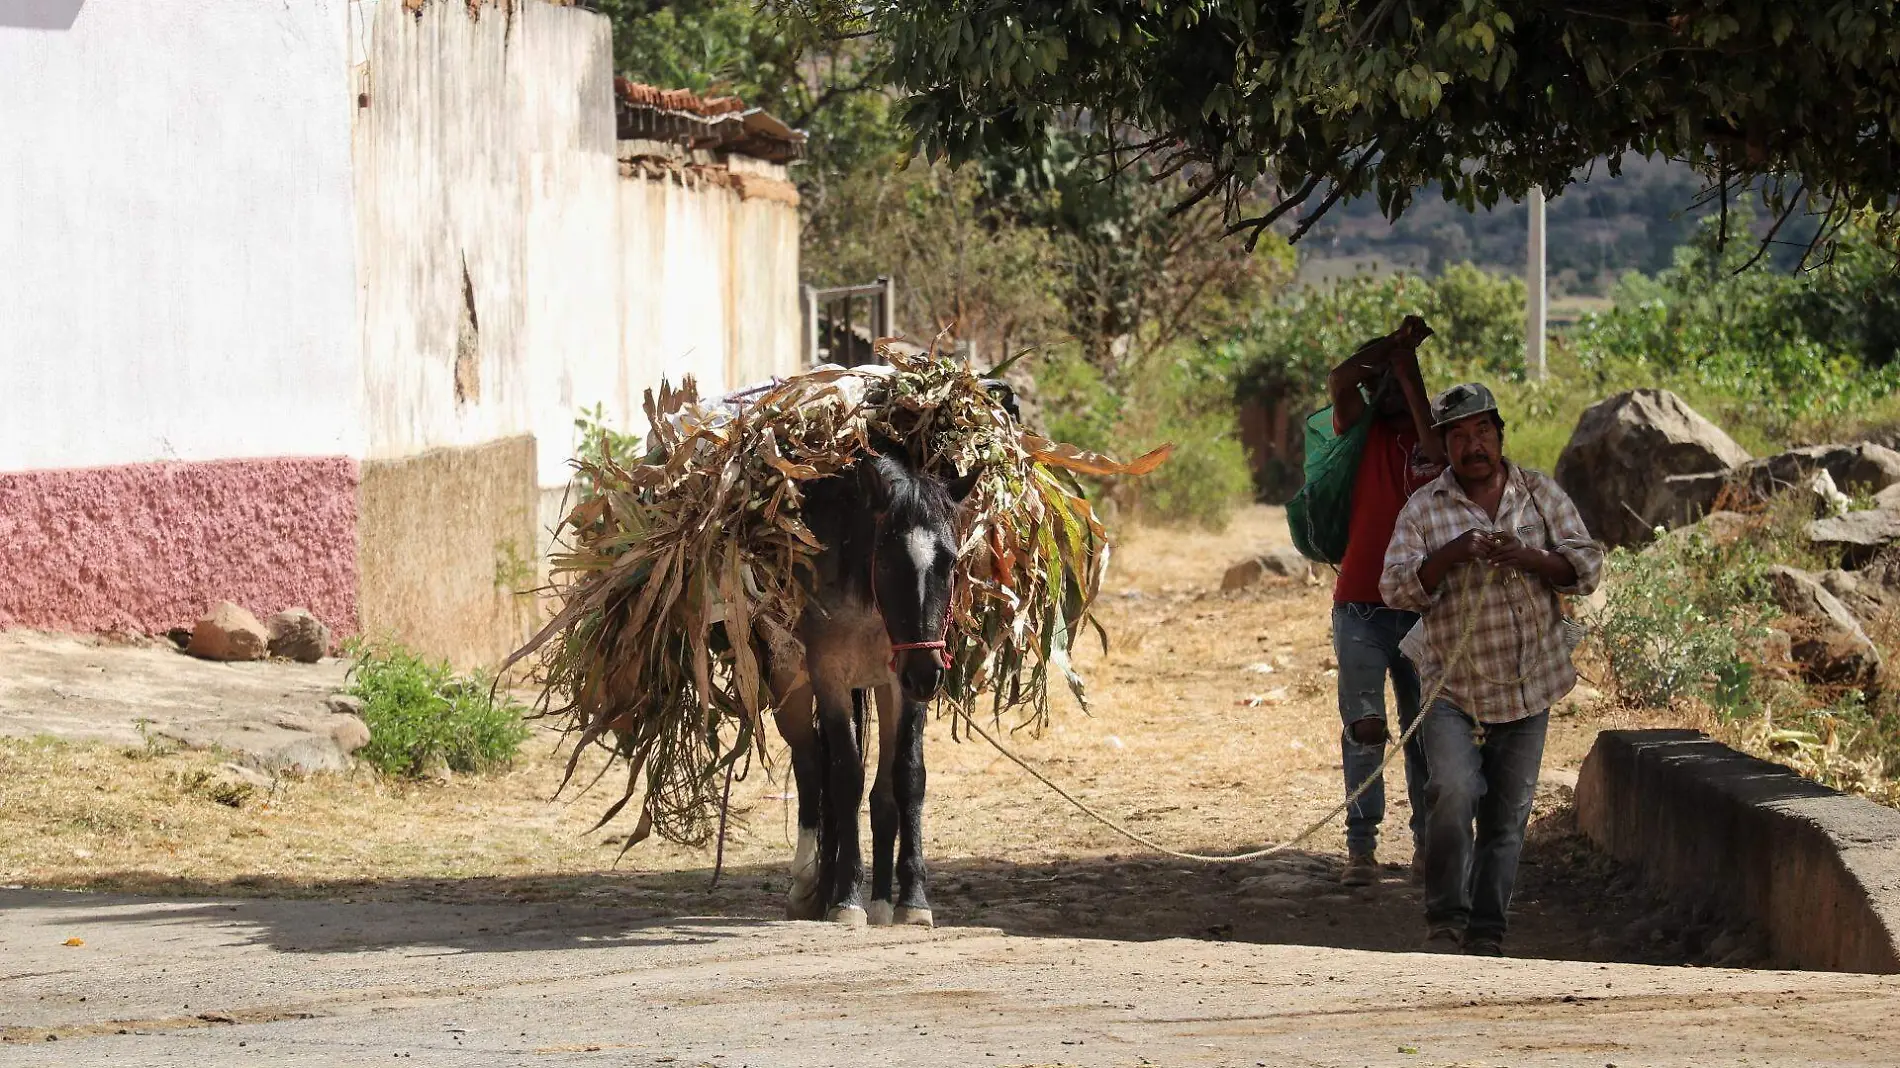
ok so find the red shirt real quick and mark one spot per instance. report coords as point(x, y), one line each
point(1391, 469)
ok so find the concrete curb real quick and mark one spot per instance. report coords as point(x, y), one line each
point(1819, 871)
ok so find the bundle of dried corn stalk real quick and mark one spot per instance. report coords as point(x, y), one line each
point(679, 568)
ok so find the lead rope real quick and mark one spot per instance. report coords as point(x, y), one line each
point(1458, 654)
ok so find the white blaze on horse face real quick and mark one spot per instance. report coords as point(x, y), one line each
point(921, 544)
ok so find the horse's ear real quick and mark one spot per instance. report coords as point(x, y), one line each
point(961, 486)
point(874, 480)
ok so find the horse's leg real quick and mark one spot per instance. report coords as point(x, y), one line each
point(843, 864)
point(795, 724)
point(907, 783)
point(884, 811)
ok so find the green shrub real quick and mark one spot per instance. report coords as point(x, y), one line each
point(1678, 620)
point(422, 715)
point(1206, 476)
point(1182, 395)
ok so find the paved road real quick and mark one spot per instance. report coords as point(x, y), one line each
point(260, 982)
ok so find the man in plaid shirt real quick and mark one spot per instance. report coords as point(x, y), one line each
point(1484, 735)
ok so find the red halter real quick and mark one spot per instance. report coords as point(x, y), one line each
point(941, 645)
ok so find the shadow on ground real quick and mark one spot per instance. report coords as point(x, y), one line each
point(1572, 904)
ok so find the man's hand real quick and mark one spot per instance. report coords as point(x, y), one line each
point(1472, 545)
point(1504, 550)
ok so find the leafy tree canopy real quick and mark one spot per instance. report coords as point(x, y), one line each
point(1324, 99)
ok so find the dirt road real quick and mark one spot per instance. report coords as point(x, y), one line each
point(341, 919)
point(257, 982)
point(1213, 728)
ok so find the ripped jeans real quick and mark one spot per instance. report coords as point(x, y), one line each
point(1366, 643)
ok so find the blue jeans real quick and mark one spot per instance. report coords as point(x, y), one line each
point(1484, 779)
point(1366, 643)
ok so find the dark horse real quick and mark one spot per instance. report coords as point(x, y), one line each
point(874, 625)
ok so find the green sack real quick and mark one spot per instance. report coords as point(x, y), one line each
point(1321, 514)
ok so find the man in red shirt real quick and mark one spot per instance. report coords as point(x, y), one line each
point(1401, 455)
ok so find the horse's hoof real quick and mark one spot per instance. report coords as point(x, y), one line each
point(907, 916)
point(848, 915)
point(806, 907)
point(879, 914)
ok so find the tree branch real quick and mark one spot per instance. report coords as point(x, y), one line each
point(826, 97)
point(1199, 194)
point(1793, 202)
point(1259, 223)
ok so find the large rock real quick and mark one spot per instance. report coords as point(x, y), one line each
point(295, 634)
point(1644, 459)
point(1863, 595)
point(228, 632)
point(1829, 643)
point(1284, 562)
point(1857, 535)
point(1861, 468)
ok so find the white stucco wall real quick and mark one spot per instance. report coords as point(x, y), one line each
point(487, 146)
point(709, 281)
point(176, 235)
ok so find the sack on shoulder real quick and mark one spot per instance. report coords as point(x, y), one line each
point(1320, 515)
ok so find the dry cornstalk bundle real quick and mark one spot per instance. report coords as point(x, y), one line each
point(682, 571)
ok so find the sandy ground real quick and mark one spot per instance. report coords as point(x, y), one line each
point(1188, 741)
point(92, 979)
point(270, 714)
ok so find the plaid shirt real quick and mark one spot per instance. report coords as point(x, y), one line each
point(1518, 663)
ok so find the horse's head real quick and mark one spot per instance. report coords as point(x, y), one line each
point(914, 551)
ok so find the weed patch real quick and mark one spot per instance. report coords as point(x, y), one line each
point(1686, 624)
point(423, 717)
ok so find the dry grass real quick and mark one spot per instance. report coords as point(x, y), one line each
point(1173, 747)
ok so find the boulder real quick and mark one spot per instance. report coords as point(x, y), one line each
point(1866, 598)
point(228, 632)
point(1857, 535)
point(349, 733)
point(1644, 459)
point(1860, 468)
point(1719, 528)
point(295, 634)
point(1284, 562)
point(1828, 641)
point(1775, 651)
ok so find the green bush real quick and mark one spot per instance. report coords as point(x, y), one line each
point(422, 715)
point(1678, 620)
point(1183, 395)
point(1772, 357)
point(1205, 477)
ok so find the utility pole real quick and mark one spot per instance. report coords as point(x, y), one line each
point(1534, 286)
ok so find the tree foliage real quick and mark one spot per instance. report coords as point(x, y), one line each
point(1324, 99)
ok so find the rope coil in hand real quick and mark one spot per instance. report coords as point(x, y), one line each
point(1459, 653)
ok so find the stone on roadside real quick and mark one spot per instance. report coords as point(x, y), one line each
point(1857, 534)
point(349, 733)
point(1858, 468)
point(1644, 459)
point(1774, 650)
point(1284, 562)
point(297, 635)
point(1718, 528)
point(1866, 598)
point(228, 632)
point(240, 773)
point(1828, 641)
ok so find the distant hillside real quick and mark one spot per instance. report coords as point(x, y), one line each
point(1595, 230)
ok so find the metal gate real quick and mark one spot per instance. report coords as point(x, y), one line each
point(834, 330)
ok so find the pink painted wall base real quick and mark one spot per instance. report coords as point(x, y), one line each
point(142, 548)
